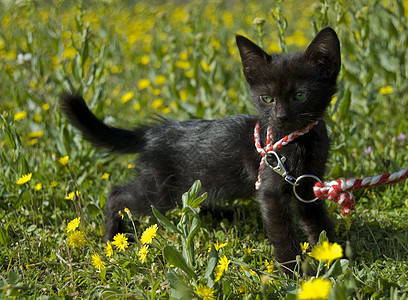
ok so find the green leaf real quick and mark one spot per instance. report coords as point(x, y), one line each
point(76, 68)
point(3, 236)
point(197, 201)
point(179, 289)
point(212, 262)
point(345, 105)
point(93, 210)
point(9, 138)
point(32, 228)
point(226, 287)
point(323, 237)
point(12, 277)
point(192, 193)
point(166, 223)
point(195, 226)
point(339, 267)
point(154, 289)
point(175, 258)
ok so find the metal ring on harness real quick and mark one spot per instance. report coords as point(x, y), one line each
point(297, 183)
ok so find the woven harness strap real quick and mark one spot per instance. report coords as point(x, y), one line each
point(338, 190)
point(270, 146)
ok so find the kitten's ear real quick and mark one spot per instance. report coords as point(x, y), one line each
point(324, 52)
point(252, 57)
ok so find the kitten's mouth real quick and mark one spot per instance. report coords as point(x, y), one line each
point(282, 129)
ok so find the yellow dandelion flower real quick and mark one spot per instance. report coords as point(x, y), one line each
point(130, 166)
point(184, 65)
point(73, 225)
point(121, 214)
point(120, 242)
point(105, 176)
point(108, 249)
point(386, 90)
point(315, 289)
point(137, 107)
point(156, 64)
point(145, 59)
point(71, 195)
point(189, 74)
point(269, 266)
point(183, 95)
point(25, 178)
point(64, 160)
point(166, 110)
point(207, 293)
point(37, 118)
point(160, 80)
point(38, 186)
point(97, 262)
point(250, 250)
point(252, 272)
point(36, 134)
point(327, 252)
point(128, 212)
point(76, 239)
point(53, 184)
point(241, 289)
point(231, 94)
point(19, 116)
point(45, 106)
point(304, 247)
point(143, 83)
point(143, 251)
point(33, 142)
point(126, 97)
point(184, 55)
point(149, 234)
point(221, 267)
point(205, 66)
point(297, 39)
point(157, 103)
point(217, 246)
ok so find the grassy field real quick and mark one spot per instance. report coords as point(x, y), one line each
point(138, 61)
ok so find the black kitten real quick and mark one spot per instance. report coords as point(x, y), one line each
point(289, 91)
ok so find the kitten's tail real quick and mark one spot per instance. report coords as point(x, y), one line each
point(98, 133)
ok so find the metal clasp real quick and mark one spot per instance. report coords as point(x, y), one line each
point(279, 168)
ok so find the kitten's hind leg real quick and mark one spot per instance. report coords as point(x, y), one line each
point(138, 199)
point(315, 219)
point(121, 197)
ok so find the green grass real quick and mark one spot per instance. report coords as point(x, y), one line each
point(137, 62)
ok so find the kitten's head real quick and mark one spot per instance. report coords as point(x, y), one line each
point(291, 90)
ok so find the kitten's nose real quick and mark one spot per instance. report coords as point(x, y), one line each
point(281, 112)
point(282, 117)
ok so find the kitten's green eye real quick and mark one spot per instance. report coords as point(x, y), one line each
point(300, 96)
point(267, 99)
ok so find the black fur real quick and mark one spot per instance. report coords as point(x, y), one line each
point(221, 153)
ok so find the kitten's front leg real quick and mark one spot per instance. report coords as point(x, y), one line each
point(277, 218)
point(315, 219)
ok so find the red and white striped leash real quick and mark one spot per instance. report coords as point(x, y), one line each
point(336, 190)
